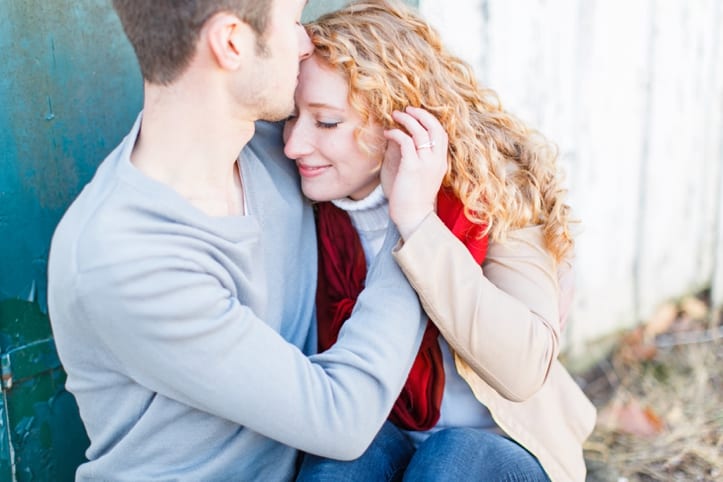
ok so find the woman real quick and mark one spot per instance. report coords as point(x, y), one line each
point(486, 398)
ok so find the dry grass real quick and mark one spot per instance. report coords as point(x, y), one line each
point(660, 403)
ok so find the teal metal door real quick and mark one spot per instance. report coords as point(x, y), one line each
point(69, 91)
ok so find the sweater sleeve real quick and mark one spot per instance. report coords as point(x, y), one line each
point(173, 328)
point(503, 319)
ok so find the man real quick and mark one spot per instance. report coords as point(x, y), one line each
point(182, 279)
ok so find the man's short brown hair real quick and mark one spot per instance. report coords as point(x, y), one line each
point(164, 33)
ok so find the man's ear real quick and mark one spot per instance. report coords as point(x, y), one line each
point(230, 40)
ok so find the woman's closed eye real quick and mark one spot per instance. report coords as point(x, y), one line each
point(327, 125)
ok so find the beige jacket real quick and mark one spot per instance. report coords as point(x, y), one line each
point(503, 322)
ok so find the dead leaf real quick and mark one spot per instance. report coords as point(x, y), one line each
point(675, 415)
point(632, 418)
point(636, 347)
point(694, 307)
point(661, 320)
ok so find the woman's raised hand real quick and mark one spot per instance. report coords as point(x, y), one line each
point(414, 166)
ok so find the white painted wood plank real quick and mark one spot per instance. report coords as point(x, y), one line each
point(632, 92)
point(714, 148)
point(675, 254)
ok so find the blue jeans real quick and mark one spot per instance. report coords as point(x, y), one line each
point(454, 454)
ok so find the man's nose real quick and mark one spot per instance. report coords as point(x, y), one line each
point(306, 48)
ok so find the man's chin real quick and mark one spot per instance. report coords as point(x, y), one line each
point(277, 115)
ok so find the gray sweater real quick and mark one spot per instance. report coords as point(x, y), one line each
point(188, 339)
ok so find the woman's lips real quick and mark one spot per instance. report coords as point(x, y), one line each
point(310, 171)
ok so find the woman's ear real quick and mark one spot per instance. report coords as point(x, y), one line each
point(230, 40)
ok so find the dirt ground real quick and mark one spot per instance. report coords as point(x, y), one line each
point(659, 396)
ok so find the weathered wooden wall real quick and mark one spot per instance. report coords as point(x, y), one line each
point(632, 93)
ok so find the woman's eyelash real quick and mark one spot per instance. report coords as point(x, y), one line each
point(327, 125)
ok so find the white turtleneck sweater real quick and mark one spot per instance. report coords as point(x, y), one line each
point(460, 408)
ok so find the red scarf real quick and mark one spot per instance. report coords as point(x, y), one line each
point(342, 271)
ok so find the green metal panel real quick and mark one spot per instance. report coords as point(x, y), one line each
point(42, 435)
point(319, 7)
point(69, 91)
